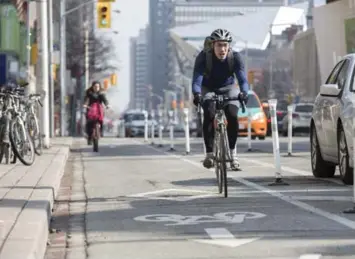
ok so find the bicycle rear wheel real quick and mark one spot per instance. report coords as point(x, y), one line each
point(217, 164)
point(223, 162)
point(35, 134)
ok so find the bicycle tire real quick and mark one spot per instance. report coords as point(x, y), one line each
point(96, 137)
point(217, 164)
point(29, 140)
point(38, 148)
point(223, 161)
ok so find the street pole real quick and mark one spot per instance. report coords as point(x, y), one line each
point(63, 62)
point(87, 67)
point(51, 80)
point(42, 6)
point(28, 47)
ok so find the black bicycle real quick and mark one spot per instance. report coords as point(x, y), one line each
point(221, 145)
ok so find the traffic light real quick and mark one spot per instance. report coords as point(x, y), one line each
point(103, 15)
point(113, 79)
point(106, 84)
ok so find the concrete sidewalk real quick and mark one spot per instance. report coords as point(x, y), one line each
point(26, 200)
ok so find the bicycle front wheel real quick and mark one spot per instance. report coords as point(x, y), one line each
point(217, 164)
point(21, 142)
point(95, 140)
point(223, 162)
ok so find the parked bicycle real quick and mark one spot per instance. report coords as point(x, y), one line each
point(15, 136)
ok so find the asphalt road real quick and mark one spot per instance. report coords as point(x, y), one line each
point(143, 201)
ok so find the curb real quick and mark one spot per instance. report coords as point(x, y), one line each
point(28, 238)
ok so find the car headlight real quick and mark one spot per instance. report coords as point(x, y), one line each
point(258, 116)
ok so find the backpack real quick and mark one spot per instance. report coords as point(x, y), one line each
point(207, 49)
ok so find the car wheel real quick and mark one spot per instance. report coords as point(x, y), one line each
point(261, 137)
point(346, 172)
point(320, 168)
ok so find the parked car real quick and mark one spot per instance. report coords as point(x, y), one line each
point(331, 124)
point(135, 123)
point(301, 119)
point(258, 118)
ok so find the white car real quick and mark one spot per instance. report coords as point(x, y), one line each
point(331, 125)
point(301, 119)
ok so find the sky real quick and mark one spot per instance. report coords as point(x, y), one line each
point(133, 16)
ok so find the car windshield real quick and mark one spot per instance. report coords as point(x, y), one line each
point(304, 108)
point(252, 101)
point(134, 117)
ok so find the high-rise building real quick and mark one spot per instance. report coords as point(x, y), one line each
point(139, 70)
point(166, 14)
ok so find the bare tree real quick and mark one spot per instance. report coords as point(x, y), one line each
point(101, 49)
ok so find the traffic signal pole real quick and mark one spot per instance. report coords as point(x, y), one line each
point(63, 61)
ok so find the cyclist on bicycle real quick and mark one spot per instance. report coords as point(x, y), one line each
point(94, 95)
point(214, 73)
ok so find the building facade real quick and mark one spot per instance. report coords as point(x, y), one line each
point(166, 14)
point(139, 70)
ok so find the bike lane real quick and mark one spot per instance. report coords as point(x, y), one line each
point(145, 203)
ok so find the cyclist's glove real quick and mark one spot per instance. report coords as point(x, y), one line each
point(197, 99)
point(243, 97)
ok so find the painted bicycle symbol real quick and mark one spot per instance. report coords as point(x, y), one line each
point(180, 220)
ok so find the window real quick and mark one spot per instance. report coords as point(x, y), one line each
point(333, 75)
point(304, 108)
point(252, 101)
point(343, 75)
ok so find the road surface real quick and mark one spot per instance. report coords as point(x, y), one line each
point(133, 200)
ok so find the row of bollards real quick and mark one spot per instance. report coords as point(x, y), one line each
point(171, 127)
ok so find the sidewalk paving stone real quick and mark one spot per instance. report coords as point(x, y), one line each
point(27, 194)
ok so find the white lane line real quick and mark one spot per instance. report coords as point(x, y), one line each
point(290, 170)
point(341, 220)
point(322, 198)
point(310, 256)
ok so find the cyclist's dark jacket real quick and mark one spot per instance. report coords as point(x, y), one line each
point(220, 75)
point(92, 97)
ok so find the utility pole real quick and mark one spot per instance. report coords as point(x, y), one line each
point(50, 58)
point(43, 50)
point(63, 68)
point(28, 42)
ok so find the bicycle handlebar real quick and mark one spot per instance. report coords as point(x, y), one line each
point(223, 99)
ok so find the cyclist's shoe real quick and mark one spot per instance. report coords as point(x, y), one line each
point(235, 165)
point(209, 161)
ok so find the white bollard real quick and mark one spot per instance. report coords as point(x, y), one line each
point(249, 130)
point(152, 114)
point(122, 132)
point(187, 130)
point(145, 126)
point(275, 144)
point(200, 111)
point(171, 125)
point(352, 210)
point(289, 130)
point(160, 115)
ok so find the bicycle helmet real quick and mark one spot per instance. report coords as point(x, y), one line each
point(221, 35)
